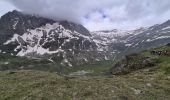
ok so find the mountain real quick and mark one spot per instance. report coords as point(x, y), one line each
point(61, 42)
point(125, 42)
point(36, 52)
point(153, 36)
point(70, 44)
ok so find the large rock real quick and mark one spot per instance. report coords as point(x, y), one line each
point(133, 62)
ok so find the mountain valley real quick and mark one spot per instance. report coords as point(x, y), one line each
point(45, 59)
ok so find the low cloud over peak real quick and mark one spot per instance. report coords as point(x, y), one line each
point(100, 14)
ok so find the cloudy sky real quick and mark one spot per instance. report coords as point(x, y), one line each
point(96, 14)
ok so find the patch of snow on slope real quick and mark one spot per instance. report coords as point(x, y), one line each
point(33, 38)
point(67, 62)
point(157, 38)
point(163, 37)
point(51, 60)
point(168, 27)
point(15, 23)
point(128, 45)
point(13, 39)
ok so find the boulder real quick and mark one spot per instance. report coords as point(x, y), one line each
point(133, 62)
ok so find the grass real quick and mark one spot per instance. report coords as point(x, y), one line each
point(144, 84)
point(152, 83)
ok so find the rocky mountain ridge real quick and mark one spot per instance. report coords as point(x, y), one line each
point(71, 44)
point(136, 40)
point(59, 41)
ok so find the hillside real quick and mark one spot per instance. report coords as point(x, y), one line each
point(63, 42)
point(159, 57)
point(146, 83)
point(124, 42)
point(71, 44)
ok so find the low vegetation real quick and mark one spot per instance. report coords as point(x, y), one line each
point(144, 84)
point(147, 83)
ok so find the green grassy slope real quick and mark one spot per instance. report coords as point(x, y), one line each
point(145, 84)
point(150, 83)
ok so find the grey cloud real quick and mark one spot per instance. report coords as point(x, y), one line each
point(119, 13)
point(56, 9)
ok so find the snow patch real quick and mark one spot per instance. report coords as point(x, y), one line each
point(85, 60)
point(97, 59)
point(6, 63)
point(34, 37)
point(106, 58)
point(67, 62)
point(157, 38)
point(4, 52)
point(15, 24)
point(168, 27)
point(128, 45)
point(163, 37)
point(13, 39)
point(51, 60)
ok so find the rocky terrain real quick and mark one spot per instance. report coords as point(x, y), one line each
point(61, 42)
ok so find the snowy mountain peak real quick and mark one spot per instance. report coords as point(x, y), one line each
point(61, 42)
point(71, 44)
point(34, 40)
